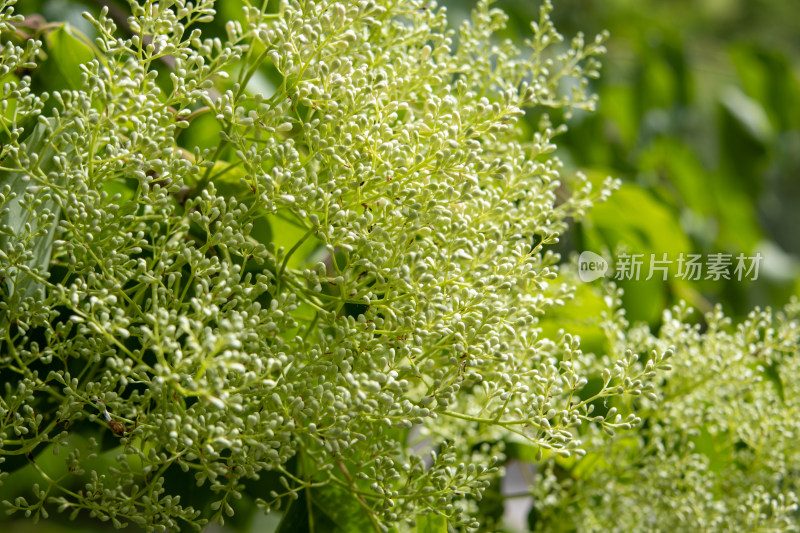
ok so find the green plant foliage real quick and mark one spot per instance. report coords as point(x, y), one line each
point(347, 270)
point(717, 451)
point(698, 111)
point(298, 261)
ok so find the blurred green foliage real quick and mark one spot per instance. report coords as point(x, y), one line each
point(699, 115)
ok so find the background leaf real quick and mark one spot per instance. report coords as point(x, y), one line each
point(431, 523)
point(67, 53)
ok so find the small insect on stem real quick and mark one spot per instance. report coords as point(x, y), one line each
point(116, 426)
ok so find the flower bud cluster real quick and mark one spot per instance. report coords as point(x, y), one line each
point(147, 298)
point(717, 450)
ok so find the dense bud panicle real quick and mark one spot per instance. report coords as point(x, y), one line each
point(344, 292)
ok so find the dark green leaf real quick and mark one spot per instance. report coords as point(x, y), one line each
point(295, 518)
point(431, 523)
point(18, 218)
point(345, 513)
point(67, 53)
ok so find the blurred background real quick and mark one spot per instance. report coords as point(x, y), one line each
point(699, 116)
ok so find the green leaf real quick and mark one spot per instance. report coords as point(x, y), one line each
point(750, 114)
point(635, 219)
point(687, 180)
point(68, 52)
point(715, 212)
point(581, 316)
point(644, 300)
point(716, 447)
point(203, 133)
point(767, 76)
point(431, 523)
point(658, 84)
point(295, 517)
point(286, 234)
point(333, 510)
point(491, 506)
point(773, 375)
point(619, 111)
point(341, 508)
point(526, 452)
point(22, 222)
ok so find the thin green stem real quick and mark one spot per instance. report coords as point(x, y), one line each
point(291, 252)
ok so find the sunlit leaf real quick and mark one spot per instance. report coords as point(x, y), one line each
point(341, 507)
point(67, 53)
point(431, 523)
point(23, 222)
point(749, 113)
